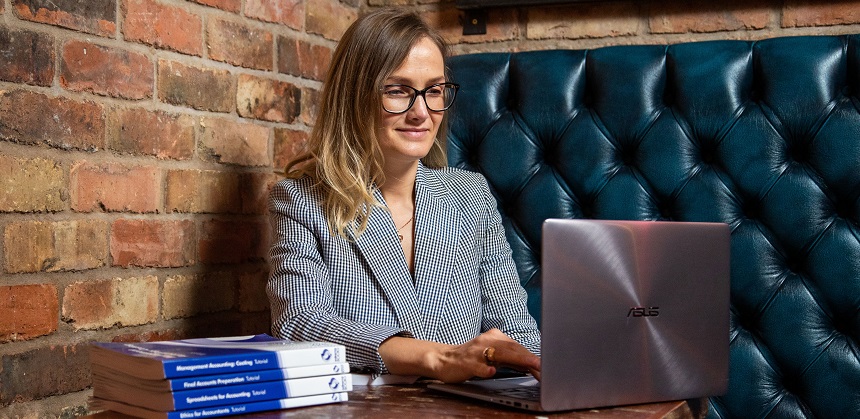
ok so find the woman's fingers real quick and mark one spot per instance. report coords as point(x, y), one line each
point(510, 353)
point(482, 355)
point(501, 350)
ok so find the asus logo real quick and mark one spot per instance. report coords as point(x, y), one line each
point(643, 312)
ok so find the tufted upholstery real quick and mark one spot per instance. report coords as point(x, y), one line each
point(764, 136)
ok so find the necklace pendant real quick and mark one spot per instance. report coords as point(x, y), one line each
point(400, 236)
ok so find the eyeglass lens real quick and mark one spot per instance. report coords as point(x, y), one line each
point(398, 98)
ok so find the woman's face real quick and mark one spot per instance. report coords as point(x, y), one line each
point(408, 136)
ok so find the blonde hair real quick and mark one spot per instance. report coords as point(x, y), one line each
point(344, 157)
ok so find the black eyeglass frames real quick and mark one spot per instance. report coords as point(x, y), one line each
point(399, 98)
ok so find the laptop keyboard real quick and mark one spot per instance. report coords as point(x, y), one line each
point(526, 392)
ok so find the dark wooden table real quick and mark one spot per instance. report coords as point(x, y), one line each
point(418, 402)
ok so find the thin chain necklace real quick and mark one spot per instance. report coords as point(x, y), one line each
point(400, 236)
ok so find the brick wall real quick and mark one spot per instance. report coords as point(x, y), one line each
point(597, 24)
point(138, 139)
point(137, 143)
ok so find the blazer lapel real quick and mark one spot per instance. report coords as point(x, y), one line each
point(377, 245)
point(437, 226)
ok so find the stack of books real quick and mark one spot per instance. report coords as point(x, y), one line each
point(203, 378)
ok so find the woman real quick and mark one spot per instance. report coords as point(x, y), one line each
point(379, 246)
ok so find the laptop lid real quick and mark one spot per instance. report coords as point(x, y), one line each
point(633, 312)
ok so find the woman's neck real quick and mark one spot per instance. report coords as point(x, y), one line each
point(399, 183)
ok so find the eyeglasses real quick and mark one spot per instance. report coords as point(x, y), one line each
point(399, 98)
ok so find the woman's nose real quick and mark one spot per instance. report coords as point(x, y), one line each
point(419, 108)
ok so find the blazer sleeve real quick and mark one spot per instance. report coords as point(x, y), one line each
point(504, 299)
point(300, 288)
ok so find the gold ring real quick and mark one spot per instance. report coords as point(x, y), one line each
point(489, 355)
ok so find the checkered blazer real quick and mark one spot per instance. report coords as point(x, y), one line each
point(360, 292)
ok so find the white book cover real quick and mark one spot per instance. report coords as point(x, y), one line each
point(225, 395)
point(104, 376)
point(207, 356)
point(216, 411)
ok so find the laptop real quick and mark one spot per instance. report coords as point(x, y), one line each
point(632, 312)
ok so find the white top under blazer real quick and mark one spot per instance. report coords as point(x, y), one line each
point(359, 292)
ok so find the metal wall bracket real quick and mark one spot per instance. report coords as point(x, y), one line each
point(475, 22)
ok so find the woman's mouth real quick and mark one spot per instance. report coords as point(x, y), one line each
point(413, 132)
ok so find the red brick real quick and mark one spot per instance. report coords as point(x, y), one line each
point(32, 118)
point(106, 71)
point(181, 295)
point(153, 243)
point(805, 13)
point(238, 44)
point(287, 12)
point(28, 311)
point(328, 18)
point(233, 142)
point(153, 336)
point(288, 145)
point(108, 303)
point(310, 102)
point(252, 291)
point(584, 21)
point(226, 325)
point(703, 16)
point(114, 187)
point(266, 99)
point(198, 88)
point(92, 16)
point(36, 246)
point(162, 26)
point(502, 25)
point(232, 241)
point(49, 371)
point(203, 191)
point(229, 5)
point(26, 57)
point(31, 185)
point(254, 323)
point(254, 189)
point(154, 133)
point(303, 59)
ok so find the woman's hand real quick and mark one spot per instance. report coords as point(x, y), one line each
point(462, 362)
point(457, 363)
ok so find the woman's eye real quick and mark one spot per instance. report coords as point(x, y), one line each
point(436, 91)
point(396, 92)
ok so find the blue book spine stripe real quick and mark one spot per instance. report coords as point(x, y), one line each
point(193, 383)
point(216, 411)
point(262, 406)
point(220, 364)
point(229, 395)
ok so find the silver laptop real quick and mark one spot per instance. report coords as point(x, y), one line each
point(632, 312)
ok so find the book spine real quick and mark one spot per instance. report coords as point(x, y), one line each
point(271, 390)
point(263, 406)
point(191, 383)
point(253, 361)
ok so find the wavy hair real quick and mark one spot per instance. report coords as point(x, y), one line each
point(343, 156)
